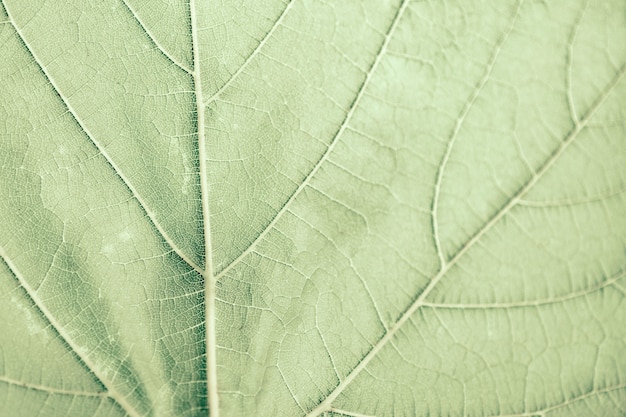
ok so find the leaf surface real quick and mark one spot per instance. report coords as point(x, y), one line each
point(300, 208)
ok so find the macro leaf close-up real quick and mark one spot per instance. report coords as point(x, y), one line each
point(359, 208)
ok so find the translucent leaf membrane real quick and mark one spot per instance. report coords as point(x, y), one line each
point(413, 208)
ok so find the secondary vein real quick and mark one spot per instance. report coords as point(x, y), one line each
point(154, 40)
point(251, 56)
point(455, 133)
point(102, 150)
point(329, 149)
point(52, 390)
point(112, 391)
point(209, 278)
point(419, 302)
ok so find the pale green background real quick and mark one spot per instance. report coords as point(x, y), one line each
point(416, 207)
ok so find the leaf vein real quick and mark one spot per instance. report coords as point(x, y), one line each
point(610, 282)
point(502, 212)
point(335, 138)
point(51, 390)
point(251, 55)
point(457, 127)
point(209, 278)
point(112, 391)
point(125, 181)
point(570, 62)
point(153, 39)
point(567, 402)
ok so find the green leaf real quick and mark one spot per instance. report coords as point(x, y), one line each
point(350, 208)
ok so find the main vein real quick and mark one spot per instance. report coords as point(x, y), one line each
point(209, 278)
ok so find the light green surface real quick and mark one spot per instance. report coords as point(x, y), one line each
point(416, 208)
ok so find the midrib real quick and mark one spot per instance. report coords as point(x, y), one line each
point(209, 278)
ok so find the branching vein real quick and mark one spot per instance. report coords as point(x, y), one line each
point(153, 39)
point(343, 126)
point(531, 303)
point(501, 213)
point(256, 50)
point(112, 391)
point(455, 133)
point(51, 390)
point(570, 63)
point(102, 150)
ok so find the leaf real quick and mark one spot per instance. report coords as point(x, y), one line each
point(356, 208)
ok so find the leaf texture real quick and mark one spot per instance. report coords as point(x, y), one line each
point(305, 208)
